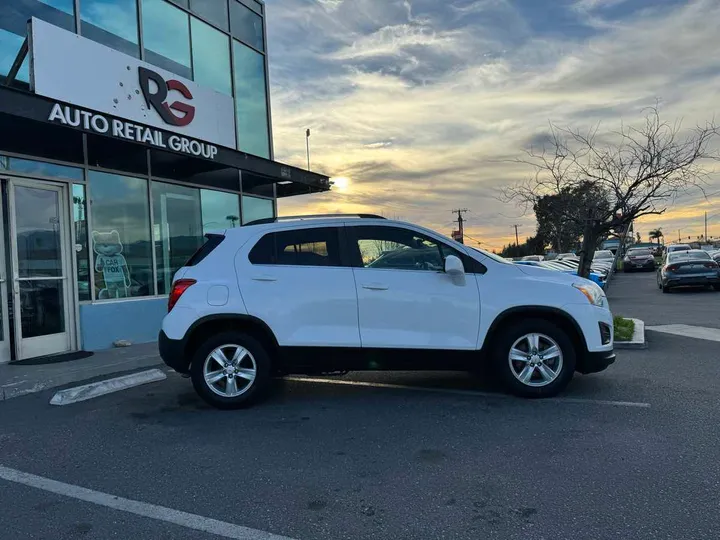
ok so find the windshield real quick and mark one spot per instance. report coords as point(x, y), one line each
point(689, 255)
point(638, 252)
point(603, 254)
point(679, 247)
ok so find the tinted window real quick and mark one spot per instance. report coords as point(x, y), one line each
point(220, 210)
point(688, 255)
point(166, 36)
point(255, 208)
point(305, 247)
point(401, 249)
point(40, 168)
point(214, 11)
point(212, 241)
point(81, 241)
point(112, 23)
point(211, 57)
point(251, 101)
point(246, 25)
point(638, 252)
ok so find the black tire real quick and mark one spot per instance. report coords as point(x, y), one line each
point(665, 288)
point(507, 337)
point(257, 389)
point(716, 287)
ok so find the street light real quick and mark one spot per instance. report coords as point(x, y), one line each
point(307, 146)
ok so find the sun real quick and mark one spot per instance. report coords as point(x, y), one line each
point(340, 183)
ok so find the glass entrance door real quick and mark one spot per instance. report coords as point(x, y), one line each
point(4, 327)
point(40, 266)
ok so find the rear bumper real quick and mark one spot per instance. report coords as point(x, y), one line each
point(596, 361)
point(172, 351)
point(679, 281)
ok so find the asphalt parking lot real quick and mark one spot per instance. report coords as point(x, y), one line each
point(636, 295)
point(628, 453)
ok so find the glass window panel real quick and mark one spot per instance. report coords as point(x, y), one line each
point(37, 232)
point(81, 241)
point(303, 247)
point(166, 37)
point(211, 57)
point(214, 11)
point(42, 307)
point(120, 236)
point(219, 210)
point(40, 168)
point(112, 23)
point(14, 15)
point(251, 101)
point(254, 208)
point(177, 229)
point(183, 3)
point(246, 25)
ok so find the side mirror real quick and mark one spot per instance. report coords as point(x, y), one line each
point(454, 266)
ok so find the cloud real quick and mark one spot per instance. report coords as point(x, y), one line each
point(425, 108)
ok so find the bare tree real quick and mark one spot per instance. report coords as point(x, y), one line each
point(635, 172)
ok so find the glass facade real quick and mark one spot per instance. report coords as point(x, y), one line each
point(196, 39)
point(256, 208)
point(251, 101)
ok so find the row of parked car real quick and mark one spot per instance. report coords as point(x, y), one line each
point(569, 263)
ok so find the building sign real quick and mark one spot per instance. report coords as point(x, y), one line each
point(92, 77)
point(122, 129)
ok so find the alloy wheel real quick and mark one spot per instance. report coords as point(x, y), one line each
point(230, 370)
point(535, 360)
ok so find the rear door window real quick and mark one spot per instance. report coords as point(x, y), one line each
point(301, 247)
point(211, 242)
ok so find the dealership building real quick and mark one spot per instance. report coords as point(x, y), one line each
point(128, 130)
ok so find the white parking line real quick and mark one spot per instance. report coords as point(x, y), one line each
point(457, 392)
point(108, 386)
point(686, 330)
point(152, 511)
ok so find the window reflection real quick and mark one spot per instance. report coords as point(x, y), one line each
point(166, 37)
point(177, 230)
point(214, 11)
point(219, 210)
point(255, 208)
point(14, 15)
point(112, 23)
point(81, 241)
point(39, 168)
point(211, 57)
point(37, 232)
point(251, 101)
point(120, 236)
point(246, 25)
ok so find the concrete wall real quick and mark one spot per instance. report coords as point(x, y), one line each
point(137, 321)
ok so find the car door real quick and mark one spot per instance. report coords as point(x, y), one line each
point(297, 282)
point(405, 299)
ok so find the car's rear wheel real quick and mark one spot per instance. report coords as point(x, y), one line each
point(665, 288)
point(534, 358)
point(230, 370)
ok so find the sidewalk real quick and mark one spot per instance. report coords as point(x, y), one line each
point(17, 380)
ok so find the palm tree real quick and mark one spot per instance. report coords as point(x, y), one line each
point(656, 234)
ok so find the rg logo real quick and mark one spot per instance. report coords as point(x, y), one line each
point(158, 101)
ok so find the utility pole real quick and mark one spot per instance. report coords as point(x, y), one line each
point(517, 240)
point(460, 212)
point(706, 227)
point(307, 146)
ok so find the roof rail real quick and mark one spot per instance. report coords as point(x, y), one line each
point(311, 216)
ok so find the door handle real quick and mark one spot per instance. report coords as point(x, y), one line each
point(375, 286)
point(264, 278)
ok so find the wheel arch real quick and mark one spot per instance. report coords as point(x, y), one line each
point(214, 324)
point(557, 316)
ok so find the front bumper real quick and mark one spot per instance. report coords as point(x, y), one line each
point(596, 361)
point(644, 265)
point(172, 352)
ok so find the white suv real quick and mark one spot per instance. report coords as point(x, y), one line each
point(321, 294)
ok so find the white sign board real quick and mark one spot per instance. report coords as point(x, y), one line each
point(81, 72)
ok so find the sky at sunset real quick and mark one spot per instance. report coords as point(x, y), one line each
point(420, 106)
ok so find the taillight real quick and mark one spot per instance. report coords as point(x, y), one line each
point(710, 265)
point(178, 288)
point(672, 268)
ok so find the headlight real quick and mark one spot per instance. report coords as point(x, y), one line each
point(592, 292)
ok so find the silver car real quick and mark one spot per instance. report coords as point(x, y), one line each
point(693, 267)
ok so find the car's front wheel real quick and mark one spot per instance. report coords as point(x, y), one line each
point(534, 358)
point(230, 370)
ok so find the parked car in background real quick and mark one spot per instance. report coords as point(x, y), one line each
point(308, 295)
point(716, 256)
point(536, 258)
point(692, 267)
point(562, 256)
point(677, 247)
point(556, 266)
point(639, 259)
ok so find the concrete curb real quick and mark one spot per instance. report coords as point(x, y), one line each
point(109, 386)
point(638, 339)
